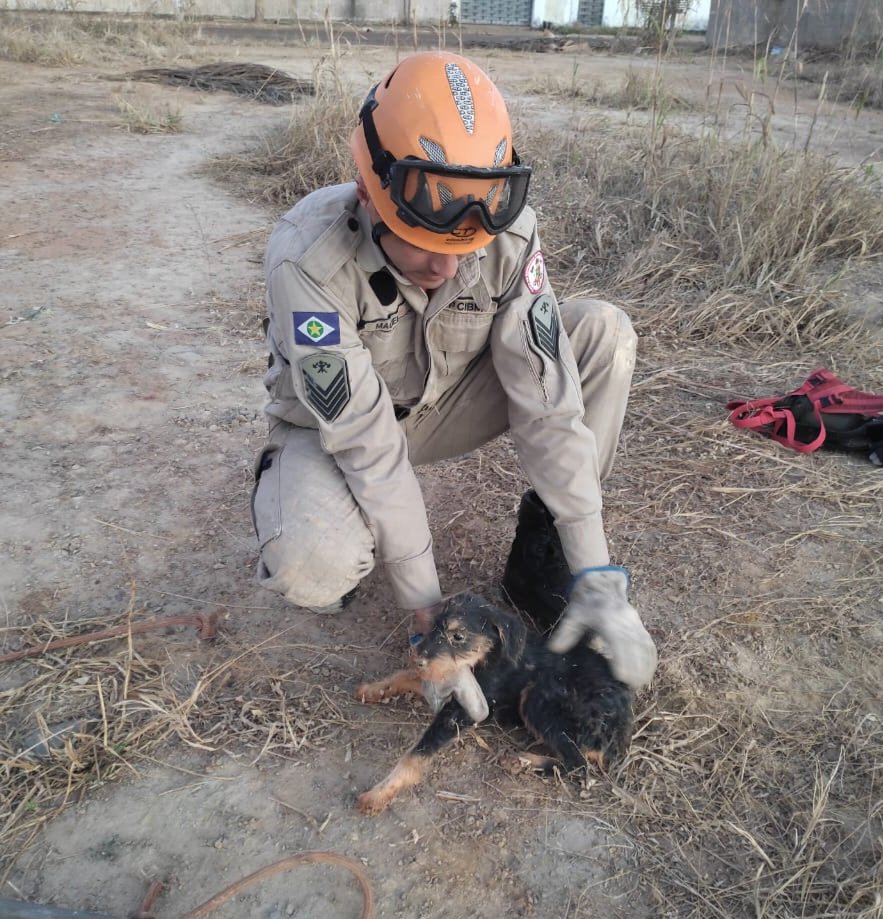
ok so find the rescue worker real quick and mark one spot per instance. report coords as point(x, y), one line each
point(411, 319)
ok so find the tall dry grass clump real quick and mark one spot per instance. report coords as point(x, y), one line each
point(857, 81)
point(713, 239)
point(309, 152)
point(60, 40)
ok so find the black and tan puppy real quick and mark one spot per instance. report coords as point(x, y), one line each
point(571, 702)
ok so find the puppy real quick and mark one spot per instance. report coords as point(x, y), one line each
point(571, 702)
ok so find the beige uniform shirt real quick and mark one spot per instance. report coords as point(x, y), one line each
point(351, 340)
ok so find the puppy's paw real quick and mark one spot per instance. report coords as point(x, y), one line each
point(372, 692)
point(373, 802)
point(514, 764)
point(528, 762)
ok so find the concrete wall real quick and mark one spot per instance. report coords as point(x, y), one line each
point(810, 23)
point(285, 10)
point(626, 13)
point(561, 12)
point(354, 10)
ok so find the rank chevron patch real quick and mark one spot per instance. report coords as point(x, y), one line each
point(326, 383)
point(544, 325)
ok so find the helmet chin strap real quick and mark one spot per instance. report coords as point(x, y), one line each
point(379, 229)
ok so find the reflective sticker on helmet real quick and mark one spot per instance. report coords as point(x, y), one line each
point(435, 151)
point(462, 95)
point(326, 383)
point(544, 325)
point(535, 272)
point(500, 152)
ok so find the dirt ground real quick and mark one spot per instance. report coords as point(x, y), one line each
point(132, 404)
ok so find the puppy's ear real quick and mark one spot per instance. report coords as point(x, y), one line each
point(512, 634)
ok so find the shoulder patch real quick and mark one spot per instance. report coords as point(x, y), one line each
point(535, 272)
point(316, 328)
point(326, 383)
point(544, 325)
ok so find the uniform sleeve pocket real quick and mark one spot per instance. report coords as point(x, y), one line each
point(266, 497)
point(534, 360)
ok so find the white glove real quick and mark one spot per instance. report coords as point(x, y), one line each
point(598, 604)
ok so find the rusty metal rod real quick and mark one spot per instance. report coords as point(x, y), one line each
point(207, 624)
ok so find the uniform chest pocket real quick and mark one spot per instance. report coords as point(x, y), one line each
point(390, 339)
point(391, 345)
point(458, 336)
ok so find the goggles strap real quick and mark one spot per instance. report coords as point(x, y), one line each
point(381, 159)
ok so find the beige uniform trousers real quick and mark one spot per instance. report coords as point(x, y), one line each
point(314, 543)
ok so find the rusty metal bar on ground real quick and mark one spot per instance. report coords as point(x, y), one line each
point(207, 623)
point(17, 909)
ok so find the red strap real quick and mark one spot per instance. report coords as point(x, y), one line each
point(761, 415)
point(842, 399)
point(820, 386)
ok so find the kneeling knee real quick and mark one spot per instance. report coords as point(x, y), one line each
point(307, 575)
point(601, 328)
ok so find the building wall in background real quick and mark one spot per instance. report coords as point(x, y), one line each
point(496, 12)
point(284, 10)
point(613, 13)
point(626, 13)
point(802, 23)
point(555, 11)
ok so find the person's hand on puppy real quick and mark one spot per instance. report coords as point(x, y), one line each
point(598, 606)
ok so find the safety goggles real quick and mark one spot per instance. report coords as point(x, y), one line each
point(441, 197)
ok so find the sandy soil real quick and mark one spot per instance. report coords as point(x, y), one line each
point(131, 397)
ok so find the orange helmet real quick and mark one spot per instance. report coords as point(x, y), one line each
point(434, 148)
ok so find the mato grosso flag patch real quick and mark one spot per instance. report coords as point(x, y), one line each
point(326, 383)
point(544, 325)
point(316, 328)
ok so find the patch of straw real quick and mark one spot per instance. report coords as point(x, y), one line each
point(89, 715)
point(141, 119)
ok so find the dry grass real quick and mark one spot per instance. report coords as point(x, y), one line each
point(61, 40)
point(638, 91)
point(93, 714)
point(857, 80)
point(311, 151)
point(862, 85)
point(141, 119)
point(715, 241)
